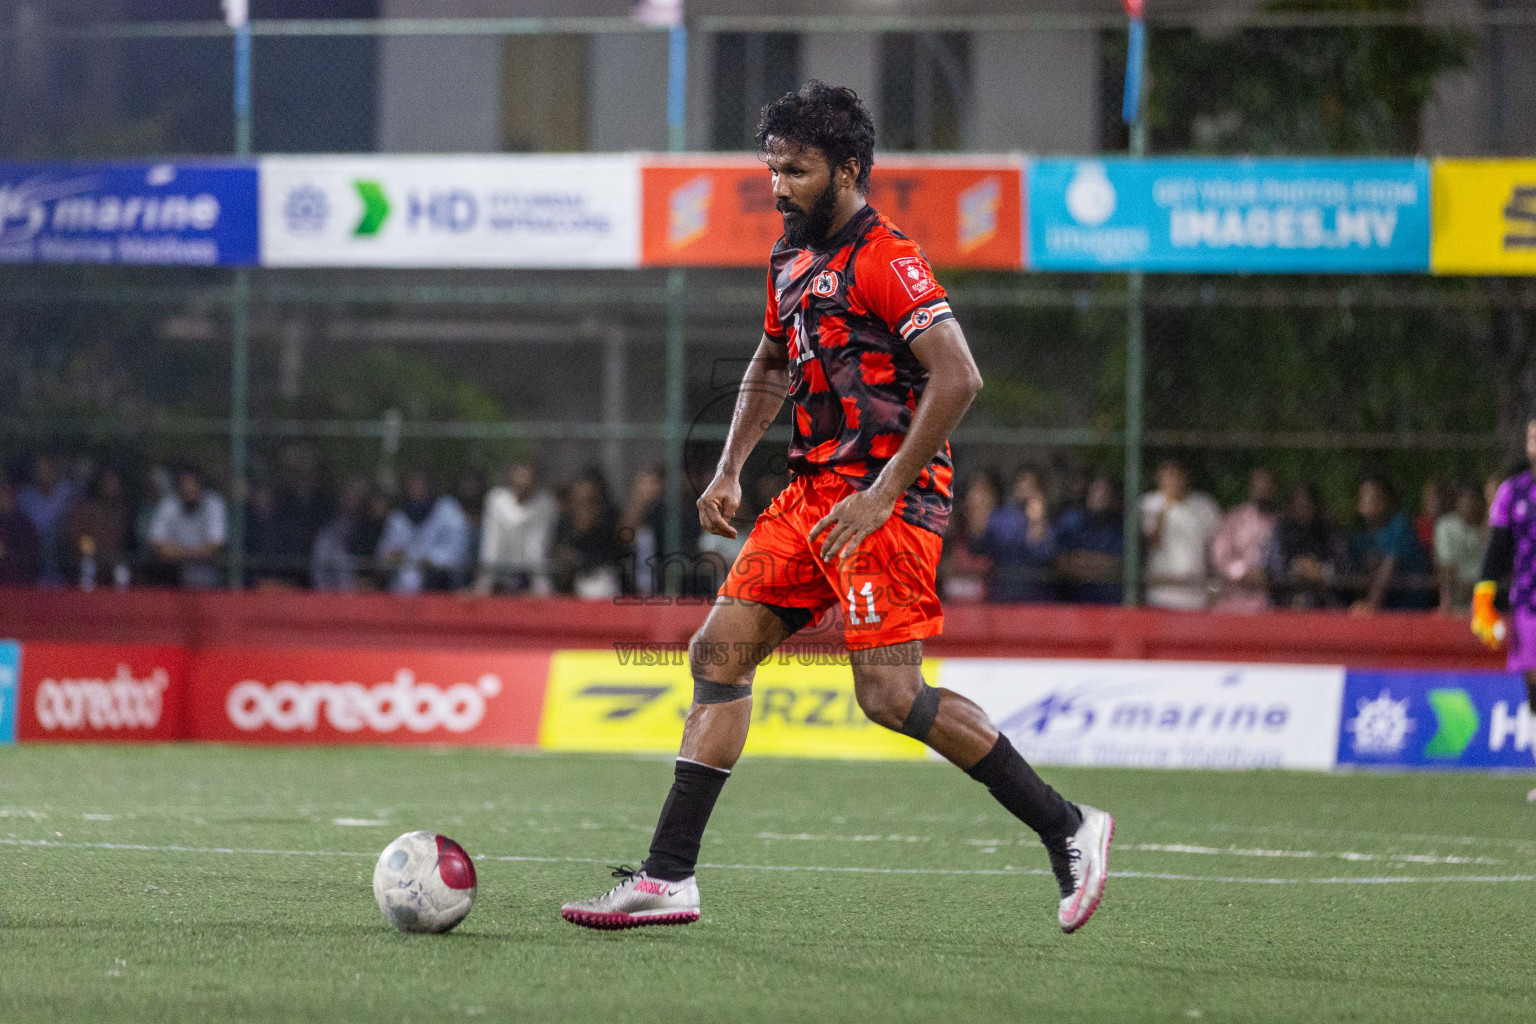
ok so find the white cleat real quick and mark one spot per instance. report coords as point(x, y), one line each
point(1531, 796)
point(1081, 865)
point(637, 900)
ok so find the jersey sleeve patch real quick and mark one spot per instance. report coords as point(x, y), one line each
point(915, 277)
point(924, 317)
point(771, 324)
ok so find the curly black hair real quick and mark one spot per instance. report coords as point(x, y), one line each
point(830, 117)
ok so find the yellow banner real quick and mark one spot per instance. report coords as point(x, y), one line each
point(1484, 217)
point(633, 702)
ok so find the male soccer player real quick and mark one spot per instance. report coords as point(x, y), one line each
point(1511, 555)
point(861, 336)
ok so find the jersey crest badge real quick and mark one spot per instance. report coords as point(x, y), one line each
point(914, 275)
point(922, 318)
point(825, 284)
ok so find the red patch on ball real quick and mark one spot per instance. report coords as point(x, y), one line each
point(454, 865)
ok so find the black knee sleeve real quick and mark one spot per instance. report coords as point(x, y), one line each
point(925, 709)
point(707, 692)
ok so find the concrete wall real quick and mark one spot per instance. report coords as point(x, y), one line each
point(440, 94)
point(844, 58)
point(1035, 91)
point(627, 92)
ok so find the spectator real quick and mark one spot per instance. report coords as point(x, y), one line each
point(586, 553)
point(515, 534)
point(426, 540)
point(1241, 547)
point(1178, 525)
point(1385, 554)
point(1020, 543)
point(189, 530)
point(274, 540)
point(965, 567)
point(45, 502)
point(1091, 542)
point(304, 503)
point(1460, 537)
point(1305, 556)
point(20, 558)
point(1433, 502)
point(342, 545)
point(470, 489)
point(98, 531)
point(643, 523)
point(371, 574)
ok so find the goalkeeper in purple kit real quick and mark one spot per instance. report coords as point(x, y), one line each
point(1511, 556)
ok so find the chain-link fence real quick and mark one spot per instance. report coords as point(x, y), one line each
point(365, 374)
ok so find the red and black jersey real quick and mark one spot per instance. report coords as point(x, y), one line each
point(849, 312)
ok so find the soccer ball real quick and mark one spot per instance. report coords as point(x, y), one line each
point(424, 882)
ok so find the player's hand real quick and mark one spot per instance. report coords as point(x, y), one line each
point(718, 504)
point(1487, 623)
point(850, 521)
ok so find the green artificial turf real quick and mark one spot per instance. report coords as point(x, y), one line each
point(958, 931)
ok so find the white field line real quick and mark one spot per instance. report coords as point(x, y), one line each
point(792, 868)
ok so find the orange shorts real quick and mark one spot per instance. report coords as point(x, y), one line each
point(886, 587)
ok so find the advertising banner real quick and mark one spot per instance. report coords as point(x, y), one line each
point(10, 685)
point(78, 692)
point(719, 211)
point(1158, 714)
point(1229, 216)
point(1437, 719)
point(450, 211)
point(1485, 217)
point(294, 695)
point(197, 214)
point(635, 701)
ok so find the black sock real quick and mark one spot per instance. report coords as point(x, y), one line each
point(1014, 784)
point(1530, 690)
point(675, 847)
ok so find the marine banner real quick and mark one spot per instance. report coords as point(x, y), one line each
point(1485, 217)
point(1158, 714)
point(1444, 720)
point(195, 214)
point(635, 699)
point(451, 211)
point(719, 211)
point(1229, 216)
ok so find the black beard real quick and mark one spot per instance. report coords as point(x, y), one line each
point(803, 230)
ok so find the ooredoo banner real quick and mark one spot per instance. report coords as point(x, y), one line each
point(283, 695)
point(1158, 714)
point(450, 211)
point(1229, 216)
point(78, 692)
point(1445, 720)
point(719, 211)
point(1485, 217)
point(201, 214)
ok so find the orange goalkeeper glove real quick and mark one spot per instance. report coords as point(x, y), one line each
point(1487, 623)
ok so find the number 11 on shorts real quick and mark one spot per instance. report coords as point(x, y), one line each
point(867, 591)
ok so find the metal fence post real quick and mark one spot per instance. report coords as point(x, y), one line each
point(240, 331)
point(677, 340)
point(1135, 352)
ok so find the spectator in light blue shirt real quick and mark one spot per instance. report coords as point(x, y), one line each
point(426, 540)
point(45, 502)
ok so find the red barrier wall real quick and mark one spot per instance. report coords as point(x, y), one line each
point(299, 619)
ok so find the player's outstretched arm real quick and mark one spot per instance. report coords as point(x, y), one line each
point(953, 381)
point(763, 390)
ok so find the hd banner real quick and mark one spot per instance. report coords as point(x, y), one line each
point(1485, 217)
point(450, 211)
point(1154, 714)
point(1229, 216)
point(1445, 720)
point(190, 214)
point(719, 211)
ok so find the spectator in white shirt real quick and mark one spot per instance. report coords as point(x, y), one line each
point(426, 540)
point(515, 532)
point(189, 530)
point(1178, 525)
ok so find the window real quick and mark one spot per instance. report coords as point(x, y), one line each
point(925, 90)
point(750, 68)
